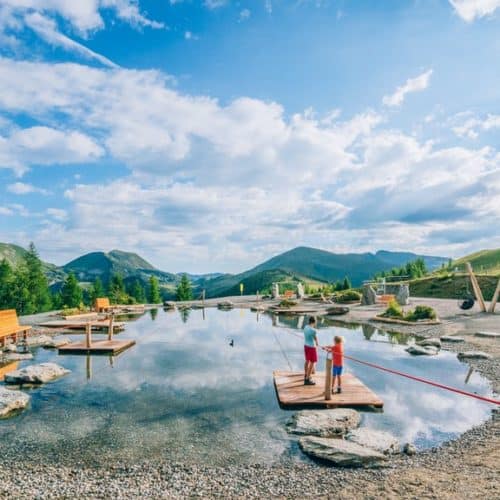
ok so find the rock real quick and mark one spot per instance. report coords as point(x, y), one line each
point(10, 347)
point(409, 449)
point(18, 356)
point(11, 401)
point(430, 342)
point(225, 304)
point(418, 350)
point(448, 338)
point(36, 374)
point(403, 295)
point(337, 310)
point(369, 296)
point(473, 355)
point(36, 340)
point(169, 305)
point(490, 335)
point(341, 453)
point(324, 423)
point(381, 441)
point(56, 343)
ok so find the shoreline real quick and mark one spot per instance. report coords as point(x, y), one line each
point(466, 467)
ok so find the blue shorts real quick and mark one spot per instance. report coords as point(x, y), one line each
point(337, 370)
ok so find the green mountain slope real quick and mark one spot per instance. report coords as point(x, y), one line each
point(104, 265)
point(484, 261)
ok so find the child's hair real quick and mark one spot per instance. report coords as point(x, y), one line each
point(338, 339)
point(312, 320)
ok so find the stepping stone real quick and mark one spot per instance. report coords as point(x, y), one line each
point(381, 441)
point(324, 423)
point(417, 350)
point(56, 343)
point(18, 356)
point(448, 338)
point(491, 335)
point(36, 374)
point(11, 401)
point(430, 342)
point(473, 355)
point(341, 453)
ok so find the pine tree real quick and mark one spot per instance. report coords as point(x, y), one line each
point(39, 299)
point(184, 291)
point(346, 285)
point(154, 296)
point(6, 285)
point(96, 290)
point(71, 293)
point(137, 292)
point(117, 294)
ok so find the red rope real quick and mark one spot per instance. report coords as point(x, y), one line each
point(425, 381)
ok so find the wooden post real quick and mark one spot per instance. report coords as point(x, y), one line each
point(203, 298)
point(110, 327)
point(88, 335)
point(494, 300)
point(476, 287)
point(328, 376)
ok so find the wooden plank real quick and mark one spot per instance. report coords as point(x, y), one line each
point(97, 347)
point(292, 393)
point(81, 325)
point(476, 287)
point(494, 300)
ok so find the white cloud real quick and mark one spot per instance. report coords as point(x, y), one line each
point(245, 14)
point(215, 4)
point(57, 213)
point(6, 211)
point(469, 125)
point(421, 82)
point(469, 10)
point(23, 188)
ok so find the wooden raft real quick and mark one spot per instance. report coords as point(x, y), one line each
point(293, 394)
point(97, 347)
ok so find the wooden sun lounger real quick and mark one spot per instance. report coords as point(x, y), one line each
point(10, 327)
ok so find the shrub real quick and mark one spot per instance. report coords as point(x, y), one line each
point(393, 310)
point(287, 303)
point(421, 312)
point(349, 296)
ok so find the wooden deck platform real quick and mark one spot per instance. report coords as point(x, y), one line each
point(80, 325)
point(293, 394)
point(97, 347)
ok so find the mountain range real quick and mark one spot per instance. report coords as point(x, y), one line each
point(305, 264)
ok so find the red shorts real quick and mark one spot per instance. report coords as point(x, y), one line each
point(311, 354)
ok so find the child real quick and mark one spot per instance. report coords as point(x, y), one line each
point(337, 350)
point(310, 352)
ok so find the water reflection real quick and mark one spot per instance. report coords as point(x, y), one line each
point(198, 386)
point(153, 313)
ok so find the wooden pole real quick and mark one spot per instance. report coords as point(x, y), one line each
point(476, 287)
point(494, 300)
point(110, 327)
point(328, 376)
point(88, 335)
point(203, 298)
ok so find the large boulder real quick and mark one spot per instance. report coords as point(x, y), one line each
point(418, 350)
point(381, 441)
point(324, 423)
point(11, 401)
point(36, 340)
point(369, 296)
point(433, 342)
point(473, 355)
point(56, 343)
point(18, 356)
point(341, 453)
point(36, 374)
point(225, 305)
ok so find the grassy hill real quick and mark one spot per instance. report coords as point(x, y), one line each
point(484, 261)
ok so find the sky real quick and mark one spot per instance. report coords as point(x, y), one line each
point(210, 135)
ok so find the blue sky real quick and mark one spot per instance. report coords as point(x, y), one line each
point(209, 135)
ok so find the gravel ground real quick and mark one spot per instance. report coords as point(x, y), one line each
point(467, 468)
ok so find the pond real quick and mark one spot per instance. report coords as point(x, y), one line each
point(183, 393)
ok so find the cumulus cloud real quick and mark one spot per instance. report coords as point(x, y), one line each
point(23, 188)
point(417, 84)
point(469, 10)
point(469, 125)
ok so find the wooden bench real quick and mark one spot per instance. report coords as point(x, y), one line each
point(289, 295)
point(10, 327)
point(385, 299)
point(102, 304)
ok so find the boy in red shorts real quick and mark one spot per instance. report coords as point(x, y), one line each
point(310, 351)
point(337, 350)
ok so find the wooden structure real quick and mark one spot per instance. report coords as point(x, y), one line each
point(109, 346)
point(494, 300)
point(102, 304)
point(9, 367)
point(385, 299)
point(10, 327)
point(293, 394)
point(69, 324)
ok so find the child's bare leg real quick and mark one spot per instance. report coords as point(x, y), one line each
point(339, 381)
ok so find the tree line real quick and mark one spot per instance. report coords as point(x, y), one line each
point(410, 270)
point(26, 288)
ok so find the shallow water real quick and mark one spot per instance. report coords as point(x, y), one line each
point(183, 393)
